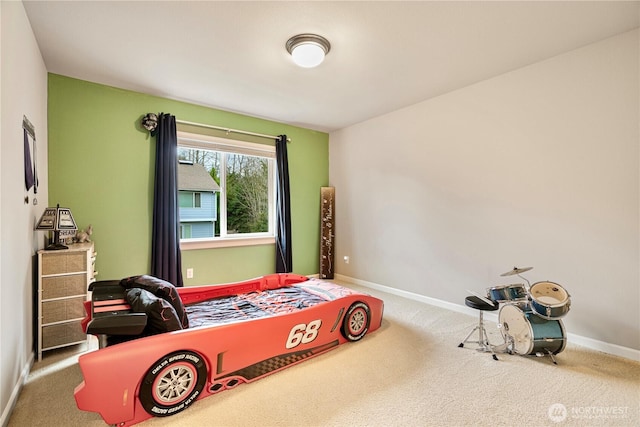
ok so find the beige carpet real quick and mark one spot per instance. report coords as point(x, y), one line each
point(408, 373)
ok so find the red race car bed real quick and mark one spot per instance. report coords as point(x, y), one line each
point(162, 348)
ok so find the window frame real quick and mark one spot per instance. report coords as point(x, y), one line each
point(224, 145)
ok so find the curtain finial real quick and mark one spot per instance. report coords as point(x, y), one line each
point(150, 122)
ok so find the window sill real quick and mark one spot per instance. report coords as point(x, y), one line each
point(194, 244)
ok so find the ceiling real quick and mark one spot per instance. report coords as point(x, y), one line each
point(384, 55)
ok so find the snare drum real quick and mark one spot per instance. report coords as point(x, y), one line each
point(507, 292)
point(530, 333)
point(549, 300)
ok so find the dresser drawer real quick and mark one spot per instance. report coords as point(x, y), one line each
point(62, 334)
point(63, 309)
point(63, 262)
point(63, 286)
point(63, 283)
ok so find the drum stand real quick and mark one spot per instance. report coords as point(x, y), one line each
point(483, 339)
point(506, 347)
point(550, 354)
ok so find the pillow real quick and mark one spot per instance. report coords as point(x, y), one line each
point(161, 316)
point(160, 288)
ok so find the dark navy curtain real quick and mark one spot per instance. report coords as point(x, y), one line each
point(166, 262)
point(284, 263)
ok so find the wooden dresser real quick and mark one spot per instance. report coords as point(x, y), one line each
point(63, 280)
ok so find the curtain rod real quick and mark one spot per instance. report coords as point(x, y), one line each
point(244, 132)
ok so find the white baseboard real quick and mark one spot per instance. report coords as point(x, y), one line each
point(13, 399)
point(614, 349)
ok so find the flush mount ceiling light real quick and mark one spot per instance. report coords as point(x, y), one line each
point(308, 50)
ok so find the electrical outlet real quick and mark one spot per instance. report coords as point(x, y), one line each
point(189, 273)
point(346, 259)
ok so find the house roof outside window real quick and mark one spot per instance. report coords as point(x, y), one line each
point(194, 177)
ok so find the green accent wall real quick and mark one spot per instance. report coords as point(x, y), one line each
point(101, 166)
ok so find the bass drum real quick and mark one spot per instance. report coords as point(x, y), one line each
point(530, 333)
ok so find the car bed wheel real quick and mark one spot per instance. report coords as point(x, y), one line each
point(356, 321)
point(173, 383)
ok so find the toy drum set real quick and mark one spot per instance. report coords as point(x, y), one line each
point(530, 316)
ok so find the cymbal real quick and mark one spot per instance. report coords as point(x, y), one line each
point(516, 270)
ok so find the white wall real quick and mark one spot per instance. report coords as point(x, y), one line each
point(23, 92)
point(537, 167)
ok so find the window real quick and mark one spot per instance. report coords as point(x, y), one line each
point(241, 190)
point(185, 231)
point(189, 199)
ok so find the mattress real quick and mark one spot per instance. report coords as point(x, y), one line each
point(253, 305)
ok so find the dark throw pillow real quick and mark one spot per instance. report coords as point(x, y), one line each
point(161, 316)
point(160, 288)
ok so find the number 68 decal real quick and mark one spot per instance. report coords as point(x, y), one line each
point(303, 333)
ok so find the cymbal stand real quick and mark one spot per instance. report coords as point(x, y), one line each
point(528, 284)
